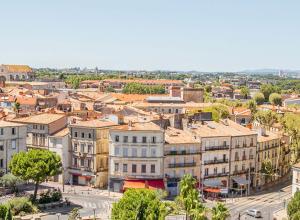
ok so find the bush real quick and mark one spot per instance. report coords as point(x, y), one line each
point(3, 211)
point(21, 206)
point(50, 196)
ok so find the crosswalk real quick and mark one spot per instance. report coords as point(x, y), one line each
point(96, 205)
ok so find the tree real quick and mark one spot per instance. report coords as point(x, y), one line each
point(189, 198)
point(139, 204)
point(259, 98)
point(9, 180)
point(275, 99)
point(267, 169)
point(36, 165)
point(293, 209)
point(220, 212)
point(8, 215)
point(245, 92)
point(17, 107)
point(253, 108)
point(268, 89)
point(74, 215)
point(291, 125)
point(218, 112)
point(266, 118)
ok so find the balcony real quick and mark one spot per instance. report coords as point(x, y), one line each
point(175, 165)
point(221, 147)
point(206, 162)
point(183, 152)
point(212, 175)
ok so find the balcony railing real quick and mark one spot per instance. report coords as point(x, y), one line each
point(212, 175)
point(183, 152)
point(215, 161)
point(221, 147)
point(187, 164)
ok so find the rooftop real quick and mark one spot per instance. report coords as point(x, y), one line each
point(177, 136)
point(18, 68)
point(297, 165)
point(138, 126)
point(45, 118)
point(268, 137)
point(97, 123)
point(9, 124)
point(62, 133)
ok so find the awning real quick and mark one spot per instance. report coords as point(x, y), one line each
point(212, 190)
point(144, 184)
point(213, 182)
point(240, 180)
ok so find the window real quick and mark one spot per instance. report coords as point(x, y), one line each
point(223, 170)
point(133, 168)
point(236, 156)
point(134, 152)
point(152, 168)
point(89, 163)
point(75, 162)
point(13, 144)
point(170, 111)
point(75, 134)
point(125, 168)
point(42, 127)
point(90, 135)
point(125, 139)
point(82, 135)
point(215, 170)
point(125, 152)
point(117, 151)
point(143, 168)
point(144, 152)
point(1, 163)
point(206, 171)
point(134, 139)
point(243, 167)
point(236, 168)
point(176, 111)
point(82, 162)
point(1, 147)
point(153, 152)
point(34, 126)
point(90, 149)
point(1, 131)
point(153, 139)
point(75, 147)
point(117, 138)
point(82, 148)
point(144, 140)
point(116, 167)
point(13, 131)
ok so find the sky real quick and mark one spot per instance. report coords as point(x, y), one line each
point(211, 35)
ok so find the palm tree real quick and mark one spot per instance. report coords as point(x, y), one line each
point(220, 212)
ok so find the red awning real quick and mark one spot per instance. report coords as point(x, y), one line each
point(212, 190)
point(144, 184)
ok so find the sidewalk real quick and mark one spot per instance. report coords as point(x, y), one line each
point(82, 190)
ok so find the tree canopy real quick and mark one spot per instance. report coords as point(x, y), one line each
point(35, 165)
point(259, 98)
point(266, 118)
point(275, 99)
point(218, 112)
point(268, 89)
point(293, 209)
point(138, 88)
point(245, 92)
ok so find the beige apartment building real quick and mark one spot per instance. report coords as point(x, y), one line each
point(182, 156)
point(16, 72)
point(89, 152)
point(136, 156)
point(12, 141)
point(269, 148)
point(40, 127)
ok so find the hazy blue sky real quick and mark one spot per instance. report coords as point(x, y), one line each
point(206, 35)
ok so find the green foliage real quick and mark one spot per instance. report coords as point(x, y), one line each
point(35, 165)
point(189, 198)
point(268, 89)
point(266, 118)
point(9, 180)
point(142, 204)
point(291, 125)
point(245, 91)
point(259, 98)
point(50, 196)
point(3, 211)
point(218, 112)
point(138, 88)
point(230, 103)
point(208, 88)
point(275, 99)
point(74, 214)
point(21, 206)
point(16, 107)
point(251, 104)
point(293, 207)
point(266, 168)
point(8, 215)
point(220, 212)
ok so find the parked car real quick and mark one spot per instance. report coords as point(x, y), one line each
point(254, 213)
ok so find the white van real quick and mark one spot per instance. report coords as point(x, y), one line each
point(254, 212)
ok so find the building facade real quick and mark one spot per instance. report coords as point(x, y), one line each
point(16, 72)
point(296, 178)
point(12, 141)
point(89, 152)
point(136, 156)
